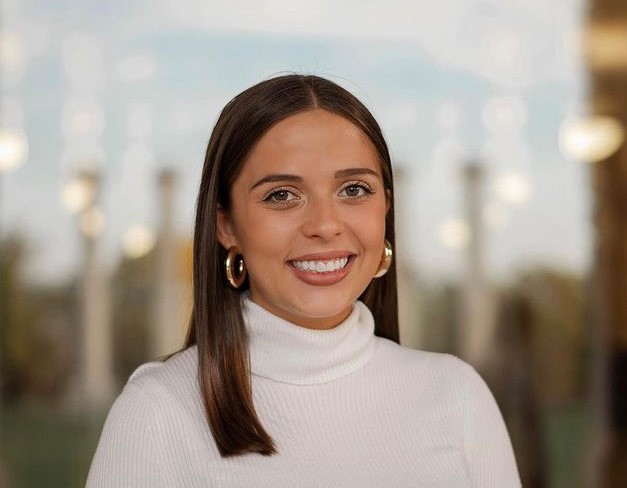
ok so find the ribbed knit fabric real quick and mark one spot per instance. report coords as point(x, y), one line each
point(344, 407)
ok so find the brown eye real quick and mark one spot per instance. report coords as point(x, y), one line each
point(280, 195)
point(355, 191)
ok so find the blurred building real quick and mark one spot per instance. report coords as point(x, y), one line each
point(606, 43)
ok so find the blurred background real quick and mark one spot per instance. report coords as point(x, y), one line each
point(506, 122)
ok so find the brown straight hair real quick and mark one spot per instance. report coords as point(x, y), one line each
point(216, 324)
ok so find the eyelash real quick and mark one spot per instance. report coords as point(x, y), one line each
point(358, 184)
point(268, 196)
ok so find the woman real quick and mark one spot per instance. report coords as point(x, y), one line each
point(292, 374)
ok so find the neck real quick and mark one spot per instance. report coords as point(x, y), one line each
point(287, 352)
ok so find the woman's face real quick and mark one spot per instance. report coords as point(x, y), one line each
point(308, 215)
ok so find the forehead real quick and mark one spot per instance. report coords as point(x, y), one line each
point(315, 141)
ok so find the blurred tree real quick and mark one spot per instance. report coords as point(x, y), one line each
point(558, 340)
point(133, 285)
point(51, 346)
point(536, 364)
point(439, 315)
point(14, 323)
point(36, 331)
point(508, 372)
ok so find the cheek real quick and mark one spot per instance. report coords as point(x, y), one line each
point(370, 223)
point(262, 233)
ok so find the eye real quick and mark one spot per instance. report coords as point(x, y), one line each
point(356, 190)
point(280, 195)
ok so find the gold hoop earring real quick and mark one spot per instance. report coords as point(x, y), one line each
point(386, 260)
point(234, 278)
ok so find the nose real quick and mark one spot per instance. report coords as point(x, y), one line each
point(323, 219)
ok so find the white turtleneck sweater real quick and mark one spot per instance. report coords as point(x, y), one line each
point(344, 407)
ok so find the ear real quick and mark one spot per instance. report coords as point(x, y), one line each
point(224, 228)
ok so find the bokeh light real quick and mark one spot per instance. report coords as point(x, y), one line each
point(83, 117)
point(504, 114)
point(591, 139)
point(454, 233)
point(513, 187)
point(77, 194)
point(13, 149)
point(138, 240)
point(92, 222)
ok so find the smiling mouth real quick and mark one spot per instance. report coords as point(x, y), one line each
point(322, 265)
point(327, 266)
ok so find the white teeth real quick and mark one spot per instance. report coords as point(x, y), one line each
point(321, 266)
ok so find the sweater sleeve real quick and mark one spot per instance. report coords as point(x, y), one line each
point(487, 446)
point(126, 454)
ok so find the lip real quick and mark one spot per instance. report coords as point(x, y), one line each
point(322, 279)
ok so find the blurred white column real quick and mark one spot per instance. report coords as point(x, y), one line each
point(476, 324)
point(96, 351)
point(410, 328)
point(168, 332)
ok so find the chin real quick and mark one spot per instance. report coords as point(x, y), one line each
point(323, 305)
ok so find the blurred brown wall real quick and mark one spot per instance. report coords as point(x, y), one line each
point(606, 44)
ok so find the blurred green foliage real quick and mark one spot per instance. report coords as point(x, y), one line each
point(43, 446)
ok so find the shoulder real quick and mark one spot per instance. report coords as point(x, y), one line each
point(174, 378)
point(160, 394)
point(442, 374)
point(443, 365)
point(145, 422)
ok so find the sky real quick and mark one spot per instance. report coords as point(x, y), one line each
point(130, 87)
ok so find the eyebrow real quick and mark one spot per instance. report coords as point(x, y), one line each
point(343, 173)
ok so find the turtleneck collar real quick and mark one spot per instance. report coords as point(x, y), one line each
point(289, 353)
